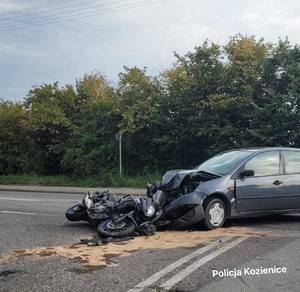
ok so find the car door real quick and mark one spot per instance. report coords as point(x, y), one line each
point(260, 192)
point(291, 179)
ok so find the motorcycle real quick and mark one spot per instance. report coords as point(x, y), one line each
point(134, 215)
point(94, 208)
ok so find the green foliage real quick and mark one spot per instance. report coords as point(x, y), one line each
point(14, 137)
point(243, 94)
point(49, 129)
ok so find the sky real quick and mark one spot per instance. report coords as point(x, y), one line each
point(44, 41)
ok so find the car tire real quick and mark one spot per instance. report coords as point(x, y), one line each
point(215, 213)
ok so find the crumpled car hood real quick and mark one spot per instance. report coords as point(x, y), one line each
point(173, 178)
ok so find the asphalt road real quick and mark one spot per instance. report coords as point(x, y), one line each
point(29, 220)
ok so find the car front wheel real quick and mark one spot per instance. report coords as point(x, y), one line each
point(215, 212)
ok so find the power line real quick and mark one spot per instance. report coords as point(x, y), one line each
point(73, 16)
point(27, 14)
point(29, 8)
point(41, 16)
point(38, 13)
point(80, 15)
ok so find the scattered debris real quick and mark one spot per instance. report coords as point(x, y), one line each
point(6, 273)
point(94, 254)
point(96, 240)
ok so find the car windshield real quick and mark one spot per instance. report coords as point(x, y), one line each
point(223, 163)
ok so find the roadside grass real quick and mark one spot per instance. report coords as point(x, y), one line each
point(111, 180)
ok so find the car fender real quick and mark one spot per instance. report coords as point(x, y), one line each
point(222, 187)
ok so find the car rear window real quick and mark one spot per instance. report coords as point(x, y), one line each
point(292, 161)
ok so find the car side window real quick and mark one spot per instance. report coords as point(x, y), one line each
point(292, 161)
point(265, 164)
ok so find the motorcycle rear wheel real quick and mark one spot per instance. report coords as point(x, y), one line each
point(109, 228)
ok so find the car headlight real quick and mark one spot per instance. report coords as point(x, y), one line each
point(150, 211)
point(88, 201)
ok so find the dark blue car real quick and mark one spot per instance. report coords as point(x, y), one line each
point(234, 184)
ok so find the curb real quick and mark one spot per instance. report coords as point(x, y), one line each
point(69, 190)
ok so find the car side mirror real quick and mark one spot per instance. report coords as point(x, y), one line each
point(247, 173)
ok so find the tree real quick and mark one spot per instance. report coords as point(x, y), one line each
point(91, 148)
point(245, 66)
point(137, 93)
point(245, 93)
point(14, 138)
point(49, 128)
point(195, 77)
point(275, 120)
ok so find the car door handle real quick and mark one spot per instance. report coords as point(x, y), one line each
point(277, 182)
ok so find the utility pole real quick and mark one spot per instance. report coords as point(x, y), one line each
point(119, 138)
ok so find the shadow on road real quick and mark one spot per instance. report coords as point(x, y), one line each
point(265, 220)
point(80, 225)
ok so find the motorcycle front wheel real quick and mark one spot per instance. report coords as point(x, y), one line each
point(112, 228)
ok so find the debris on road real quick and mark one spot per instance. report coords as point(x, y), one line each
point(97, 241)
point(94, 257)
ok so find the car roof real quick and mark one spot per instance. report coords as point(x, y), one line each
point(263, 149)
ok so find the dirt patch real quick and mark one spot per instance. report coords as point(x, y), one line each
point(92, 257)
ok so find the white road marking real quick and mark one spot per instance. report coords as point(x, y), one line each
point(174, 265)
point(38, 200)
point(27, 213)
point(196, 265)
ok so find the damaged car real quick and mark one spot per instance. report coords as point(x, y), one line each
point(238, 183)
point(231, 184)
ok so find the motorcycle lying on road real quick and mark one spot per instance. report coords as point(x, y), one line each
point(93, 208)
point(176, 200)
point(133, 215)
point(117, 216)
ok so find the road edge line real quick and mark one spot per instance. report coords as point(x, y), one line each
point(196, 265)
point(158, 275)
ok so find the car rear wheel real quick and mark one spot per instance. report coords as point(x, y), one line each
point(215, 212)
